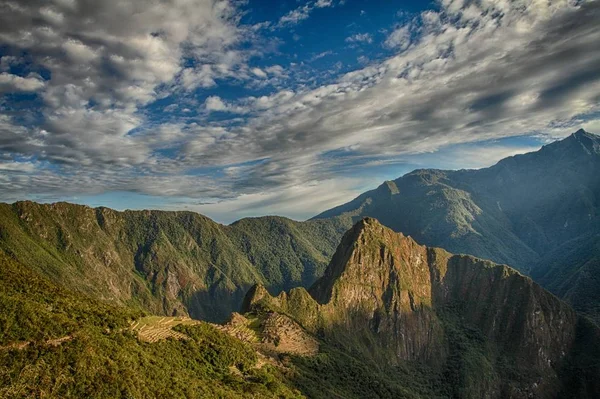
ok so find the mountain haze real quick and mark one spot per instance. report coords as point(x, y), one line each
point(538, 212)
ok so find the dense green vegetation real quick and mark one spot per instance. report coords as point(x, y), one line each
point(103, 359)
point(572, 271)
point(34, 309)
point(97, 364)
point(287, 253)
point(165, 262)
point(334, 373)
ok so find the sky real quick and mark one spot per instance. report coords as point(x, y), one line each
point(248, 108)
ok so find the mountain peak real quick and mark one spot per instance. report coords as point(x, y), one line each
point(589, 142)
point(368, 252)
point(253, 296)
point(584, 133)
point(367, 222)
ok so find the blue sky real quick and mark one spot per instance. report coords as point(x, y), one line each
point(245, 108)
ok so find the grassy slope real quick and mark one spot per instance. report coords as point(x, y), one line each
point(164, 262)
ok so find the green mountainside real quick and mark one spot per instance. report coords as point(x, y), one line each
point(529, 211)
point(171, 263)
point(389, 319)
point(55, 343)
point(481, 329)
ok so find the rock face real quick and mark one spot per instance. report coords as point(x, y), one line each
point(537, 212)
point(393, 300)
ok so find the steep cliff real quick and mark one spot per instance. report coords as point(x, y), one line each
point(491, 330)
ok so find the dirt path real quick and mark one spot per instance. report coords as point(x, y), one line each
point(24, 344)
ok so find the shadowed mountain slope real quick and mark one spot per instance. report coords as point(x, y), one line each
point(516, 212)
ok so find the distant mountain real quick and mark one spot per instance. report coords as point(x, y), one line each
point(480, 329)
point(170, 263)
point(537, 212)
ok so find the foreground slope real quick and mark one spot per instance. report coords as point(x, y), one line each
point(516, 212)
point(55, 343)
point(58, 343)
point(487, 330)
point(171, 263)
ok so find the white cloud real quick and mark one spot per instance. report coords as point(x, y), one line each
point(592, 126)
point(275, 70)
point(214, 103)
point(360, 38)
point(13, 83)
point(118, 57)
point(259, 72)
point(399, 38)
point(301, 13)
point(323, 3)
point(297, 202)
point(295, 16)
point(17, 166)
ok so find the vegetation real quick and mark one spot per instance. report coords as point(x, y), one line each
point(103, 357)
point(96, 364)
point(334, 373)
point(34, 309)
point(169, 263)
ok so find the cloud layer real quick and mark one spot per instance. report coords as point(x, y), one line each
point(467, 72)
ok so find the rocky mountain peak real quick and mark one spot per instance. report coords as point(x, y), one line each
point(390, 299)
point(590, 142)
point(369, 258)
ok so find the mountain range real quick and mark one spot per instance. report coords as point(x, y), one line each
point(537, 212)
point(360, 301)
point(170, 263)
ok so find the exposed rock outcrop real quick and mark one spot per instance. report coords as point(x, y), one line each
point(393, 300)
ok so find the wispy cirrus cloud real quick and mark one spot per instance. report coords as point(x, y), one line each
point(302, 13)
point(360, 38)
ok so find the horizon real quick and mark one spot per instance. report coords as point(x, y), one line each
point(106, 204)
point(243, 109)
